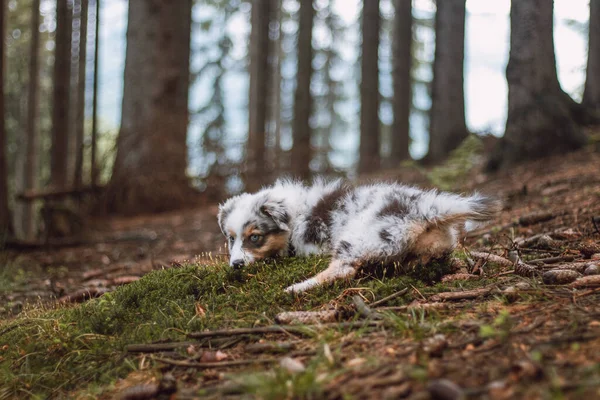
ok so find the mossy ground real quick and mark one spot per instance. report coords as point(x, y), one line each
point(48, 350)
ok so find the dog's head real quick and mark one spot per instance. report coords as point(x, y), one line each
point(256, 227)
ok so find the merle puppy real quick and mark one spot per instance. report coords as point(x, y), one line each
point(383, 222)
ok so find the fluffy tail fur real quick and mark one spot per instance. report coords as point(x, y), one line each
point(471, 211)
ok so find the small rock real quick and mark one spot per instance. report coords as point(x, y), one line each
point(292, 365)
point(592, 269)
point(443, 389)
point(435, 346)
point(522, 285)
point(511, 294)
point(560, 276)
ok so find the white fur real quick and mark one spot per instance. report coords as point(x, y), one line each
point(356, 228)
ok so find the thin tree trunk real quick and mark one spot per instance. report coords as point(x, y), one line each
point(259, 92)
point(5, 220)
point(402, 60)
point(301, 151)
point(540, 119)
point(31, 157)
point(61, 98)
point(93, 162)
point(369, 158)
point(447, 127)
point(80, 116)
point(275, 96)
point(591, 94)
point(149, 174)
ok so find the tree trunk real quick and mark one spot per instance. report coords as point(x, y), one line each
point(447, 126)
point(31, 157)
point(369, 159)
point(61, 99)
point(277, 55)
point(540, 115)
point(402, 57)
point(5, 220)
point(259, 93)
point(301, 151)
point(591, 94)
point(93, 162)
point(80, 116)
point(149, 174)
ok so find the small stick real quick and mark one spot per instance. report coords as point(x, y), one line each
point(301, 330)
point(552, 260)
point(467, 294)
point(388, 298)
point(155, 347)
point(217, 364)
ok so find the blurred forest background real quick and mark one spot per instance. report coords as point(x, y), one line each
point(144, 106)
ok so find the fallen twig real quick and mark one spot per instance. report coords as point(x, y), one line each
point(388, 298)
point(155, 347)
point(363, 309)
point(552, 260)
point(217, 364)
point(534, 218)
point(591, 281)
point(292, 329)
point(467, 294)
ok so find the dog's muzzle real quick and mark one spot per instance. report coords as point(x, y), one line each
point(237, 264)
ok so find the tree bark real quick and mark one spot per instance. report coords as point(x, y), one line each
point(301, 151)
point(369, 158)
point(402, 57)
point(80, 116)
point(149, 174)
point(259, 93)
point(61, 98)
point(93, 162)
point(541, 116)
point(591, 94)
point(447, 126)
point(5, 219)
point(31, 157)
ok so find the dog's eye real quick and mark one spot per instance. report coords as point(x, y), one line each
point(231, 239)
point(255, 238)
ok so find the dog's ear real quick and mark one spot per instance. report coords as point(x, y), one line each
point(224, 210)
point(278, 212)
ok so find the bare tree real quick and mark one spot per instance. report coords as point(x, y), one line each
point(80, 109)
point(369, 158)
point(61, 99)
point(149, 173)
point(259, 92)
point(31, 153)
point(301, 152)
point(541, 116)
point(447, 116)
point(5, 220)
point(402, 57)
point(591, 94)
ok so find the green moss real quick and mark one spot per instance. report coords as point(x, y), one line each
point(49, 351)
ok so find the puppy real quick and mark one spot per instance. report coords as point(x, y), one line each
point(382, 222)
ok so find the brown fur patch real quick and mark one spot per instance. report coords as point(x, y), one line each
point(394, 208)
point(272, 244)
point(321, 214)
point(432, 241)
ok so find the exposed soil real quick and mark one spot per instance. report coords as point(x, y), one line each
point(518, 338)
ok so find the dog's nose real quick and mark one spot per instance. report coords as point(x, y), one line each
point(237, 263)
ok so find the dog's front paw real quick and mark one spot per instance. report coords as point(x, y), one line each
point(302, 286)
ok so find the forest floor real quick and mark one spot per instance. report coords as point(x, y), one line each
point(165, 324)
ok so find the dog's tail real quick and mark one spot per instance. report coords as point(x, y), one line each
point(471, 211)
